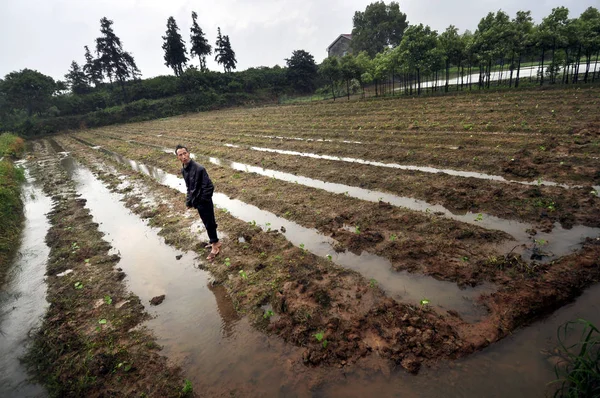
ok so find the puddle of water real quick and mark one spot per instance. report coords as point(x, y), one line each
point(457, 173)
point(23, 299)
point(517, 366)
point(237, 357)
point(404, 286)
point(558, 242)
point(196, 324)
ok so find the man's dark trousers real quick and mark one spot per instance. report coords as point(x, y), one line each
point(207, 214)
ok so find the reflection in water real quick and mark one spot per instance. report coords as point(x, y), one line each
point(23, 298)
point(225, 307)
point(407, 287)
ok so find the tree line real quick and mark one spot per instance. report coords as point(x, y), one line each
point(388, 50)
point(388, 55)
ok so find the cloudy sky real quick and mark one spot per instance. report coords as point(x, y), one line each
point(47, 35)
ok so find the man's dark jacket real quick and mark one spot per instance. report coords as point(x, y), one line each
point(199, 187)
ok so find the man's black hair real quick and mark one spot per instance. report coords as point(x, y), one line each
point(178, 147)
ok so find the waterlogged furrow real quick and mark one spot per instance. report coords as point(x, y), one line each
point(546, 245)
point(400, 285)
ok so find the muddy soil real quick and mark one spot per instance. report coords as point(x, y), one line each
point(540, 204)
point(412, 241)
point(511, 306)
point(335, 314)
point(88, 344)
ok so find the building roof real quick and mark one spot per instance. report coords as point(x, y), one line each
point(344, 35)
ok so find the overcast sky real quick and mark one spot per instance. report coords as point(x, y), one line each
point(47, 35)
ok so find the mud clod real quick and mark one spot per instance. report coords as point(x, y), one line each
point(157, 300)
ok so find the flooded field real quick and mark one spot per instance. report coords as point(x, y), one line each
point(367, 247)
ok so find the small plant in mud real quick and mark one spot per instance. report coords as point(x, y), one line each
point(253, 223)
point(320, 336)
point(578, 372)
point(302, 248)
point(540, 242)
point(464, 259)
point(243, 274)
point(187, 388)
point(108, 300)
point(102, 321)
point(393, 237)
point(357, 230)
point(74, 247)
point(78, 285)
point(479, 217)
point(268, 225)
point(329, 257)
point(372, 283)
point(227, 262)
point(268, 314)
point(224, 210)
point(424, 302)
point(87, 261)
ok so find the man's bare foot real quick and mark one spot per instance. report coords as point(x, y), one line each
point(216, 249)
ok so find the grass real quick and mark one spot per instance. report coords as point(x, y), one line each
point(11, 205)
point(579, 371)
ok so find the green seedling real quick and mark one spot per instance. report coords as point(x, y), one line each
point(357, 230)
point(102, 321)
point(228, 262)
point(87, 261)
point(74, 247)
point(540, 242)
point(539, 181)
point(319, 336)
point(253, 223)
point(108, 300)
point(224, 210)
point(278, 258)
point(393, 237)
point(243, 274)
point(479, 217)
point(187, 387)
point(372, 283)
point(464, 259)
point(268, 225)
point(268, 314)
point(262, 255)
point(424, 302)
point(302, 248)
point(78, 285)
point(329, 257)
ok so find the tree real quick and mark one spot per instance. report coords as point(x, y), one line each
point(29, 90)
point(378, 27)
point(418, 50)
point(76, 79)
point(174, 47)
point(364, 64)
point(520, 41)
point(302, 71)
point(349, 70)
point(453, 49)
point(112, 59)
point(330, 70)
point(552, 34)
point(200, 46)
point(588, 32)
point(224, 53)
point(92, 68)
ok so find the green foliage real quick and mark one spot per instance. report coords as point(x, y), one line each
point(174, 48)
point(330, 71)
point(200, 46)
point(579, 371)
point(11, 145)
point(302, 71)
point(378, 27)
point(224, 54)
point(11, 209)
point(28, 90)
point(188, 388)
point(77, 80)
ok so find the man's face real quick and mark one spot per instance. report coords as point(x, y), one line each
point(183, 155)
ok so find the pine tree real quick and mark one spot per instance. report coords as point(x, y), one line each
point(174, 47)
point(76, 79)
point(200, 46)
point(92, 68)
point(112, 59)
point(224, 53)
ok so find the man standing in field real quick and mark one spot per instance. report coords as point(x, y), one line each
point(199, 195)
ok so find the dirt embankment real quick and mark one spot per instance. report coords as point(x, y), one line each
point(88, 344)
